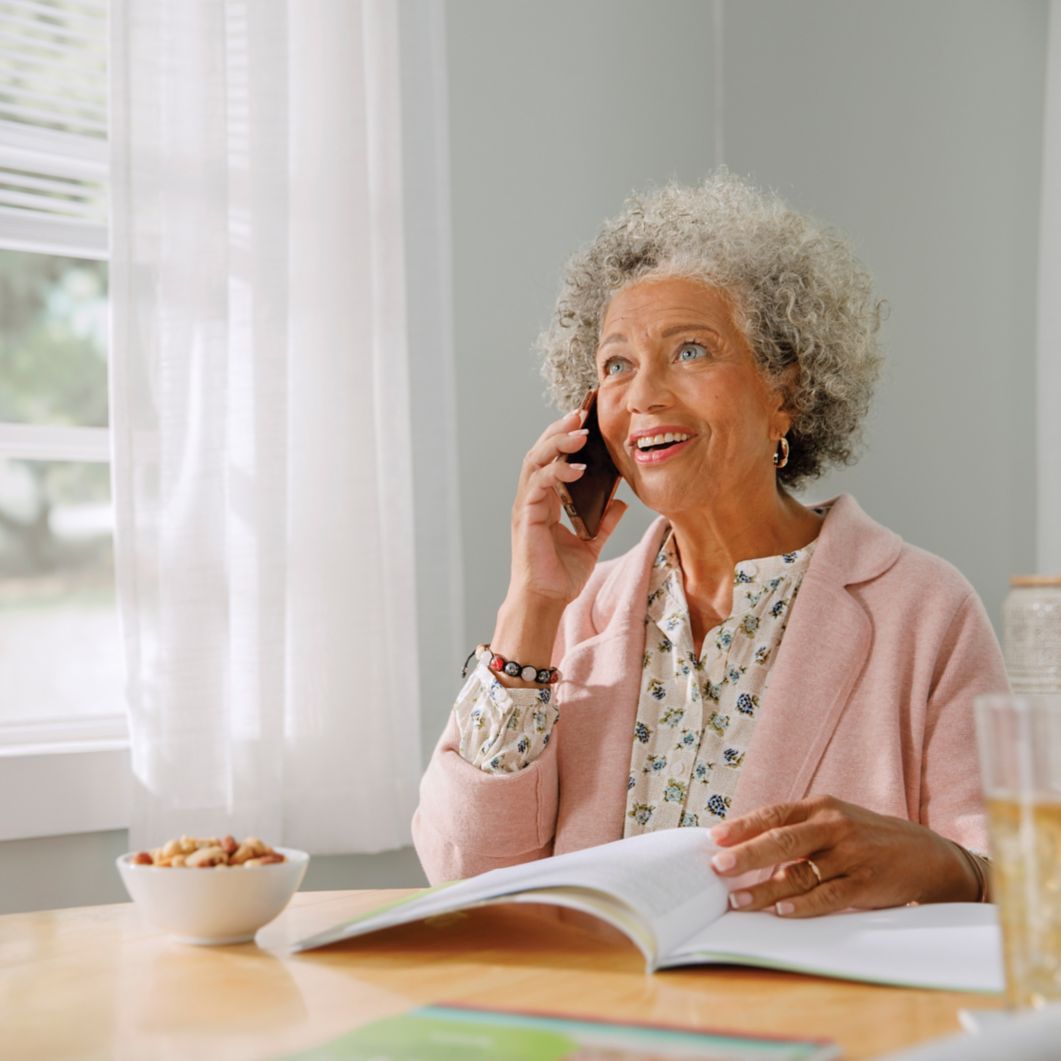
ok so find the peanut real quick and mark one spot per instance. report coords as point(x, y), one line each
point(264, 860)
point(205, 856)
point(199, 852)
point(241, 854)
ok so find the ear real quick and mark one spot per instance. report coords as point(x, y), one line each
point(781, 393)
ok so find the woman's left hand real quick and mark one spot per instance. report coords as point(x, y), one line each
point(865, 860)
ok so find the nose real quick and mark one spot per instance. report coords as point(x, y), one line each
point(649, 390)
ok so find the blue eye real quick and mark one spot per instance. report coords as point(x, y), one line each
point(612, 367)
point(694, 351)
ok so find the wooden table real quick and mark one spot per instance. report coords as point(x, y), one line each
point(98, 982)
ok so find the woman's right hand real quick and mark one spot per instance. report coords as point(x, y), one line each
point(550, 563)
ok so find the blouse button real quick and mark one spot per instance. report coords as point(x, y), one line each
point(679, 768)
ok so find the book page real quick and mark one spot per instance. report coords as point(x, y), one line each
point(951, 946)
point(603, 907)
point(664, 878)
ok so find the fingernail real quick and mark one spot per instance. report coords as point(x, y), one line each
point(579, 431)
point(784, 908)
point(739, 899)
point(719, 832)
point(581, 467)
point(724, 860)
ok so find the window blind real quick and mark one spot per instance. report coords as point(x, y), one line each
point(53, 126)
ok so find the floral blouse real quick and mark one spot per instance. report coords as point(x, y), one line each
point(695, 716)
point(502, 730)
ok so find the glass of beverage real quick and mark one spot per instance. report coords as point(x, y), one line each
point(1020, 753)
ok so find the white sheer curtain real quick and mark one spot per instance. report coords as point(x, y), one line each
point(260, 412)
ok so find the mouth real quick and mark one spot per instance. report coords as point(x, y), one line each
point(652, 448)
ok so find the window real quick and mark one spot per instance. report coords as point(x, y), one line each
point(60, 649)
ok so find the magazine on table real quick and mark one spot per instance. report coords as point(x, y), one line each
point(451, 1031)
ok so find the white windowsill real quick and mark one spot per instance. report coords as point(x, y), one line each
point(50, 789)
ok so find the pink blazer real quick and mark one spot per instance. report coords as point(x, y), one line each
point(869, 700)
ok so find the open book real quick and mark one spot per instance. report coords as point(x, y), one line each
point(660, 890)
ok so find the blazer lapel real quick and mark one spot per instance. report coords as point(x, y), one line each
point(599, 689)
point(823, 651)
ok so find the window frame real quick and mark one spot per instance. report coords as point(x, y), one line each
point(78, 769)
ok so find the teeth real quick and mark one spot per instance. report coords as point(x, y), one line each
point(659, 440)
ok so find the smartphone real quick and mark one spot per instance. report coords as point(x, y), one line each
point(586, 498)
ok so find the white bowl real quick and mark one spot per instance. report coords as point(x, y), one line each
point(219, 904)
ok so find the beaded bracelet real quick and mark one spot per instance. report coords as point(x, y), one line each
point(529, 673)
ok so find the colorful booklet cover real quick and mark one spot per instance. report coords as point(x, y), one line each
point(455, 1033)
point(660, 891)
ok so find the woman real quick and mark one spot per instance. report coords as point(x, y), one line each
point(796, 678)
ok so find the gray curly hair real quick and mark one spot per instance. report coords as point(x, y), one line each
point(801, 297)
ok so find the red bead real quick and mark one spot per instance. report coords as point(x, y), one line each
point(496, 662)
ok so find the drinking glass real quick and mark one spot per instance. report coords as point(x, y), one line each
point(1019, 738)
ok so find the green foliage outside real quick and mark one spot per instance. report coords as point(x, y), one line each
point(53, 370)
point(53, 356)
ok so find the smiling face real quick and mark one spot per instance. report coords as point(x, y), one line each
point(687, 414)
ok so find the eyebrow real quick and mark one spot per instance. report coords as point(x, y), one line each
point(675, 329)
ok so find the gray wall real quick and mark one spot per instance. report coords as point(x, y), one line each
point(558, 110)
point(57, 871)
point(915, 126)
point(918, 128)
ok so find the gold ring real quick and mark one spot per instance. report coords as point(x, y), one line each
point(814, 869)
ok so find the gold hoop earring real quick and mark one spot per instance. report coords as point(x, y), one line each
point(781, 453)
